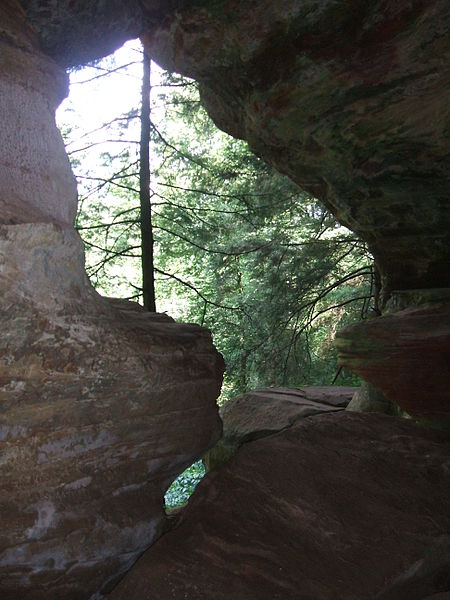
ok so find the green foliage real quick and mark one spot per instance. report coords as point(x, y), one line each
point(238, 247)
point(184, 485)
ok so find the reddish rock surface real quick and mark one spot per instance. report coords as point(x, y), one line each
point(36, 182)
point(334, 507)
point(264, 412)
point(101, 404)
point(407, 355)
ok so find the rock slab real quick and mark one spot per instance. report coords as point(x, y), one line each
point(407, 355)
point(266, 411)
point(335, 506)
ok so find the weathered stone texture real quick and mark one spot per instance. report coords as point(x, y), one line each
point(335, 506)
point(101, 403)
point(75, 33)
point(351, 100)
point(36, 182)
point(266, 411)
point(406, 354)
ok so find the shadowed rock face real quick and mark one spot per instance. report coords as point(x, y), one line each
point(336, 506)
point(75, 33)
point(407, 354)
point(101, 404)
point(267, 411)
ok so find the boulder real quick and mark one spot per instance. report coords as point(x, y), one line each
point(263, 412)
point(336, 506)
point(407, 355)
point(368, 398)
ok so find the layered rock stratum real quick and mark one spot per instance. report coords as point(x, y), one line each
point(102, 403)
point(337, 506)
point(262, 412)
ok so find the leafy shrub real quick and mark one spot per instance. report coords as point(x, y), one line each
point(184, 485)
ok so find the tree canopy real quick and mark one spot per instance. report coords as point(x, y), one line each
point(238, 247)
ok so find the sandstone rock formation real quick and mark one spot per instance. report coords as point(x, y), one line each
point(335, 506)
point(101, 409)
point(264, 412)
point(351, 100)
point(102, 404)
point(407, 355)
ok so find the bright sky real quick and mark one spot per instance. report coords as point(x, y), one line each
point(95, 100)
point(101, 99)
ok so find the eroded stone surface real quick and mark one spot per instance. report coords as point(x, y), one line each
point(69, 31)
point(407, 355)
point(102, 405)
point(36, 182)
point(266, 411)
point(269, 410)
point(315, 512)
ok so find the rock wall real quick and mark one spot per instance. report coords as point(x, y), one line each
point(102, 404)
point(350, 99)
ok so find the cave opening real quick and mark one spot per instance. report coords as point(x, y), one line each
point(102, 400)
point(238, 248)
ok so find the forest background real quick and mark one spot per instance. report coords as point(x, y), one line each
point(237, 247)
point(230, 243)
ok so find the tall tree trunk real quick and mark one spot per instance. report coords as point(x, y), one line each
point(147, 242)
